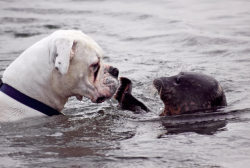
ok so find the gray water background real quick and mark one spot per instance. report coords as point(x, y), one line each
point(145, 39)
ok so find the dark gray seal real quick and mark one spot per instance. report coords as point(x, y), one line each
point(187, 92)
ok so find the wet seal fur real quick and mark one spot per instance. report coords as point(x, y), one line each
point(187, 92)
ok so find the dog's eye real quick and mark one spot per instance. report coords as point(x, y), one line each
point(95, 67)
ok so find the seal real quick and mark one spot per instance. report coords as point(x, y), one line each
point(125, 98)
point(187, 92)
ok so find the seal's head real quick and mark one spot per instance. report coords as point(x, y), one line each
point(189, 92)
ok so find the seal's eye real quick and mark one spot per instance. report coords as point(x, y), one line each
point(178, 80)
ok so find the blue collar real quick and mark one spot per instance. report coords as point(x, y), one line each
point(28, 101)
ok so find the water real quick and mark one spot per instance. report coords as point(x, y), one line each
point(145, 39)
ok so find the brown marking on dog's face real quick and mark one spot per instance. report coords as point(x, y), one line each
point(189, 92)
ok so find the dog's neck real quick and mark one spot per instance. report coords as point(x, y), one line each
point(31, 73)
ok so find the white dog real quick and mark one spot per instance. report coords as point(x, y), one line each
point(64, 64)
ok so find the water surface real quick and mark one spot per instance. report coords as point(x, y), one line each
point(145, 39)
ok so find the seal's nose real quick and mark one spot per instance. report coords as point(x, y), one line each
point(157, 84)
point(113, 71)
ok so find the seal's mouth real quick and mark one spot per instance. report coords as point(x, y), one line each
point(165, 91)
point(153, 91)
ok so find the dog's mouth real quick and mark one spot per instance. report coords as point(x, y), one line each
point(101, 99)
point(100, 96)
point(109, 87)
point(79, 97)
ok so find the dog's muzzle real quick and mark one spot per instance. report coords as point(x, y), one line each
point(109, 83)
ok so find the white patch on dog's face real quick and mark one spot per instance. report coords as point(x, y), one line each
point(86, 75)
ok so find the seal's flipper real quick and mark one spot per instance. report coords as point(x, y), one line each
point(125, 87)
point(126, 100)
point(129, 102)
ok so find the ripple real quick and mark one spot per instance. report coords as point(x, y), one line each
point(23, 35)
point(204, 128)
point(144, 16)
point(196, 40)
point(146, 37)
point(7, 20)
point(135, 157)
point(50, 26)
point(51, 11)
point(216, 52)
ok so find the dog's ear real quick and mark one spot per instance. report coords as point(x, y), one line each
point(64, 51)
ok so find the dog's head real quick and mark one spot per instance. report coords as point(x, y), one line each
point(78, 69)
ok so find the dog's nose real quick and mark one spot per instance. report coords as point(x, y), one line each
point(113, 71)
